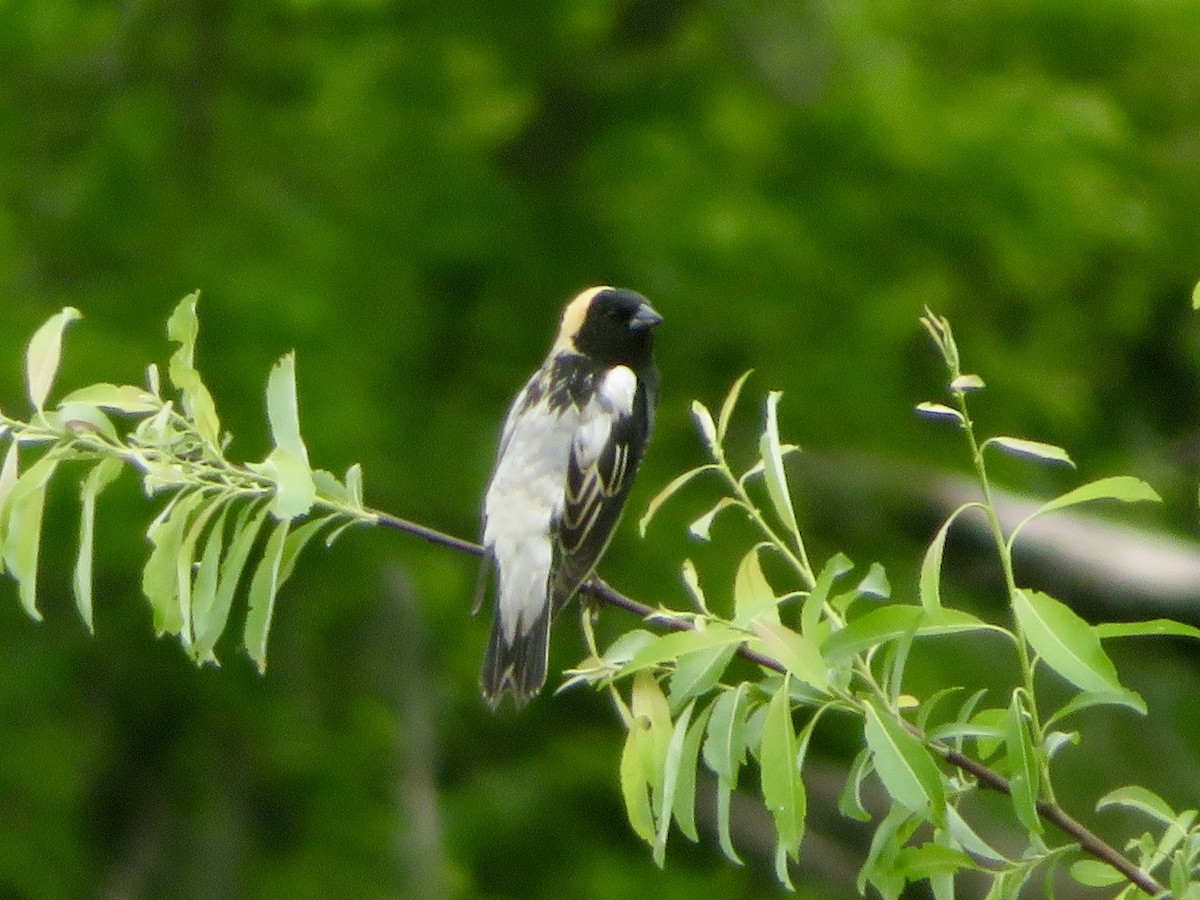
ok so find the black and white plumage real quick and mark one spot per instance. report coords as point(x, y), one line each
point(569, 451)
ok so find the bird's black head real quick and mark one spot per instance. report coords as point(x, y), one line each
point(612, 326)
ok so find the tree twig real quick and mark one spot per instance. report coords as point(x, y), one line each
point(988, 778)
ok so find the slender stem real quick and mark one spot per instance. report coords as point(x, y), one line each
point(989, 778)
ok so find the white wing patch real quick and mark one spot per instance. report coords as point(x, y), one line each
point(617, 390)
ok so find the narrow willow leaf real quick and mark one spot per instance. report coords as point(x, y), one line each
point(753, 596)
point(648, 704)
point(1087, 699)
point(160, 582)
point(725, 745)
point(124, 398)
point(283, 409)
point(724, 832)
point(772, 457)
point(43, 353)
point(354, 484)
point(875, 583)
point(1123, 488)
point(782, 786)
point(184, 560)
point(241, 540)
point(1196, 296)
point(850, 800)
point(297, 539)
point(704, 424)
point(684, 808)
point(1142, 799)
point(697, 672)
point(634, 783)
point(671, 781)
point(624, 647)
point(1024, 769)
point(930, 860)
point(798, 654)
point(888, 623)
point(83, 418)
point(101, 475)
point(691, 581)
point(183, 327)
point(1151, 628)
point(879, 869)
point(1065, 642)
point(263, 588)
point(1033, 449)
point(729, 405)
point(964, 835)
point(668, 647)
point(964, 383)
point(8, 480)
point(665, 494)
point(931, 565)
point(329, 487)
point(940, 411)
point(904, 765)
point(700, 528)
point(814, 602)
point(23, 530)
point(204, 589)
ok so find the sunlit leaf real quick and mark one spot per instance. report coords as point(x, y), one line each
point(940, 411)
point(1065, 642)
point(354, 485)
point(697, 672)
point(684, 807)
point(1151, 628)
point(931, 564)
point(183, 327)
point(124, 398)
point(725, 745)
point(1093, 873)
point(43, 353)
point(724, 832)
point(1142, 799)
point(772, 457)
point(890, 622)
point(798, 654)
point(850, 800)
point(671, 781)
point(704, 424)
point(753, 596)
point(904, 765)
point(261, 597)
point(295, 490)
point(691, 581)
point(160, 582)
point(782, 786)
point(204, 589)
point(700, 527)
point(668, 647)
point(635, 782)
point(810, 610)
point(966, 837)
point(8, 480)
point(1033, 449)
point(241, 540)
point(964, 383)
point(1024, 768)
point(875, 583)
point(730, 404)
point(83, 418)
point(1123, 488)
point(101, 475)
point(23, 529)
point(328, 486)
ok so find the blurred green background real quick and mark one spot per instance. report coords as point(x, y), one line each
point(406, 193)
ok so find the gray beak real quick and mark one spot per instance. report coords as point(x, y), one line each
point(644, 319)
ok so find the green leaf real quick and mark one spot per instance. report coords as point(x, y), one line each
point(183, 328)
point(684, 808)
point(1093, 873)
point(888, 623)
point(241, 541)
point(798, 654)
point(724, 801)
point(8, 480)
point(329, 487)
point(1033, 449)
point(354, 485)
point(1151, 628)
point(665, 494)
point(295, 490)
point(725, 745)
point(204, 589)
point(729, 405)
point(1196, 297)
point(23, 529)
point(850, 800)
point(704, 424)
point(634, 782)
point(1087, 699)
point(1142, 799)
point(753, 596)
point(931, 564)
point(904, 765)
point(940, 411)
point(671, 781)
point(667, 647)
point(1123, 488)
point(83, 418)
point(691, 581)
point(43, 353)
point(1024, 769)
point(965, 836)
point(297, 539)
point(101, 475)
point(697, 672)
point(772, 457)
point(930, 860)
point(283, 408)
point(1065, 642)
point(263, 587)
point(782, 786)
point(964, 383)
point(125, 398)
point(875, 583)
point(814, 602)
point(699, 528)
point(879, 869)
point(160, 581)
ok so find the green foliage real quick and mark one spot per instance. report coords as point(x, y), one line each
point(197, 559)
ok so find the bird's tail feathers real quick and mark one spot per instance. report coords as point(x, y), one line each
point(517, 668)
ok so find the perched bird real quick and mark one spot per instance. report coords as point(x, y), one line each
point(568, 454)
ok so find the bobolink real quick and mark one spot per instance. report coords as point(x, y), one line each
point(569, 451)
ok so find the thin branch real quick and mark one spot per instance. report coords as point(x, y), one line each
point(989, 778)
